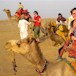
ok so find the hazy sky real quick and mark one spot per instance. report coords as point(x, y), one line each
point(46, 8)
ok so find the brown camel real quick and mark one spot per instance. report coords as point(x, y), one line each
point(10, 17)
point(49, 31)
point(32, 52)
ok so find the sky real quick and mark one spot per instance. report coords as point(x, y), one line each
point(45, 8)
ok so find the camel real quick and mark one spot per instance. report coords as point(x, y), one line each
point(49, 31)
point(55, 37)
point(63, 31)
point(10, 17)
point(15, 17)
point(60, 30)
point(32, 52)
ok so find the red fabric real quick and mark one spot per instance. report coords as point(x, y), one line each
point(64, 47)
point(74, 43)
point(26, 11)
point(17, 14)
point(72, 52)
point(73, 63)
point(37, 23)
point(67, 43)
point(27, 16)
point(20, 11)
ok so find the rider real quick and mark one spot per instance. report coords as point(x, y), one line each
point(60, 20)
point(20, 6)
point(37, 24)
point(72, 52)
point(20, 10)
point(69, 22)
point(61, 29)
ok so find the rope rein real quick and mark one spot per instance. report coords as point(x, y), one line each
point(40, 73)
point(14, 66)
point(14, 63)
point(69, 63)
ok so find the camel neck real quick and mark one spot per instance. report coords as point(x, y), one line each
point(8, 14)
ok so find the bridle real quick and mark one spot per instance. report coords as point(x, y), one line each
point(14, 63)
point(15, 66)
point(69, 63)
point(40, 72)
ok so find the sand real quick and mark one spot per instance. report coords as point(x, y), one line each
point(10, 31)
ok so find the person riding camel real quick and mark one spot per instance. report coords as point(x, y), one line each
point(20, 6)
point(69, 21)
point(61, 28)
point(72, 52)
point(20, 10)
point(60, 19)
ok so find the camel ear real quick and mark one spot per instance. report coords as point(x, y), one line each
point(30, 40)
point(8, 45)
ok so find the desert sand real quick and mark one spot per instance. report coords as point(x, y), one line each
point(10, 31)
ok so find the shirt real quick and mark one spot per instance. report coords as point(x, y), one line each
point(36, 23)
point(23, 25)
point(69, 21)
point(20, 6)
point(61, 19)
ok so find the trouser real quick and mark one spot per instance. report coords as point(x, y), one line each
point(36, 31)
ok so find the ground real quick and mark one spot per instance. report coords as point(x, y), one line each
point(10, 31)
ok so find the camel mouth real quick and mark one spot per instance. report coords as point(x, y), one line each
point(3, 9)
point(7, 45)
point(44, 67)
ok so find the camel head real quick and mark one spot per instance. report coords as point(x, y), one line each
point(34, 55)
point(6, 10)
point(12, 45)
point(29, 50)
point(10, 17)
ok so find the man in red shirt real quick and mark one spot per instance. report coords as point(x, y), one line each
point(37, 24)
